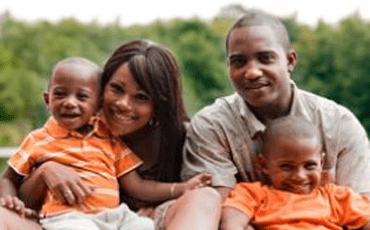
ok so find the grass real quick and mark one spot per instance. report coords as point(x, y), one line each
point(3, 163)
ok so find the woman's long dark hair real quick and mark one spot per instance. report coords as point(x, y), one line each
point(156, 71)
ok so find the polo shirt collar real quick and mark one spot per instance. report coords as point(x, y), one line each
point(57, 131)
point(253, 124)
point(99, 129)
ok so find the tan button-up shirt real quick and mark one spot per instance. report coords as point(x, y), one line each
point(224, 138)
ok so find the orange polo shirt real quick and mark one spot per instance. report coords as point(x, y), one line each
point(98, 158)
point(327, 207)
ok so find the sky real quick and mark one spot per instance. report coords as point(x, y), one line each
point(130, 12)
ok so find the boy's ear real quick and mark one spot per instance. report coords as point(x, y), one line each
point(262, 163)
point(292, 57)
point(46, 99)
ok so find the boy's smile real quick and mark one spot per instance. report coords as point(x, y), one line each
point(72, 97)
point(294, 165)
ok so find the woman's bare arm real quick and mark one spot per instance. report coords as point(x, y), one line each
point(149, 190)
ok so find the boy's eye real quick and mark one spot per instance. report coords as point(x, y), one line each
point(59, 94)
point(286, 167)
point(237, 61)
point(83, 96)
point(311, 166)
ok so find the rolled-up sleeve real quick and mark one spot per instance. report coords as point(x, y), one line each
point(353, 163)
point(206, 150)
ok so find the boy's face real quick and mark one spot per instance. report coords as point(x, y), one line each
point(293, 165)
point(259, 66)
point(72, 97)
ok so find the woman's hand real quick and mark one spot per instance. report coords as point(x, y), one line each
point(15, 204)
point(64, 183)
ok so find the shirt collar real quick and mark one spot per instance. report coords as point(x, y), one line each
point(57, 131)
point(254, 125)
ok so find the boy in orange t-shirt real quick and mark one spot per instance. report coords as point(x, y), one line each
point(293, 198)
point(76, 136)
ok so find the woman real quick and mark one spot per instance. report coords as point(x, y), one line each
point(157, 136)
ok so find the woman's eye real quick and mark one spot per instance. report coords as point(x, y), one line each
point(142, 97)
point(116, 88)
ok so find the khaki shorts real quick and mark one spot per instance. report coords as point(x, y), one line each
point(160, 214)
point(120, 218)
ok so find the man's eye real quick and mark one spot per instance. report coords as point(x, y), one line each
point(266, 58)
point(238, 61)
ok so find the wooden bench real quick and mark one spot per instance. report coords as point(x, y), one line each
point(6, 152)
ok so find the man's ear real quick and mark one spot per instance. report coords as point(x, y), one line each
point(46, 99)
point(292, 57)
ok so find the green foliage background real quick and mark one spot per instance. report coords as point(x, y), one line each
point(334, 61)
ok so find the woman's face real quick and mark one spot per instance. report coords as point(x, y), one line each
point(127, 107)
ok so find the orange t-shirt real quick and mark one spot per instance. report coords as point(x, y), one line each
point(327, 207)
point(98, 159)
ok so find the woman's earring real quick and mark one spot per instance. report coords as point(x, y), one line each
point(153, 122)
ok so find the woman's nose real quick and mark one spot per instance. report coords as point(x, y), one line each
point(125, 102)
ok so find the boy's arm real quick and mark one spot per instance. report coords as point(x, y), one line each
point(367, 226)
point(66, 184)
point(233, 219)
point(9, 182)
point(149, 190)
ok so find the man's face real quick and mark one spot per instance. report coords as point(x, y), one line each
point(259, 67)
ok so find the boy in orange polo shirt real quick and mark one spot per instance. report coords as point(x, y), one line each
point(75, 137)
point(294, 198)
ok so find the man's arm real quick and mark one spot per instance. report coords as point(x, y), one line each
point(233, 219)
point(354, 154)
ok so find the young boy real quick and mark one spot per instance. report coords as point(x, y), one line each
point(74, 137)
point(292, 159)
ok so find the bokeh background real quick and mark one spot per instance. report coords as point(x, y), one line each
point(334, 56)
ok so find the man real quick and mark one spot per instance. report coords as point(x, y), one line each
point(224, 138)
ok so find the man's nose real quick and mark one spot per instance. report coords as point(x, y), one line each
point(252, 71)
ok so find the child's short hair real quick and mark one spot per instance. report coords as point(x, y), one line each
point(260, 18)
point(84, 63)
point(291, 127)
